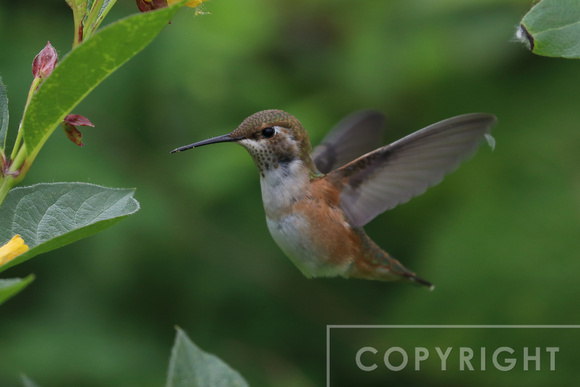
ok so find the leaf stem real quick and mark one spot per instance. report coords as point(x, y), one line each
point(33, 87)
point(91, 20)
point(102, 15)
point(5, 185)
point(16, 169)
point(78, 26)
point(15, 173)
point(16, 143)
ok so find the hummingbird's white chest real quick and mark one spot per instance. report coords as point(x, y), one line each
point(283, 186)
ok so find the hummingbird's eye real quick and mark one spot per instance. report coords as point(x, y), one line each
point(268, 132)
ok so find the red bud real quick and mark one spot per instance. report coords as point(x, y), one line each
point(44, 62)
point(69, 125)
point(73, 133)
point(77, 119)
point(151, 5)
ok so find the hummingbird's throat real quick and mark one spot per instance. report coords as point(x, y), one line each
point(266, 157)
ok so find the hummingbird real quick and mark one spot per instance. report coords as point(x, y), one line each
point(317, 201)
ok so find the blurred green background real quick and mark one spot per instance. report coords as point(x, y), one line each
point(499, 237)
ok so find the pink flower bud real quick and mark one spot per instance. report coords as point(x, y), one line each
point(70, 124)
point(77, 119)
point(151, 5)
point(44, 62)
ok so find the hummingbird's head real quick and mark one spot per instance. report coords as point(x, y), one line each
point(272, 137)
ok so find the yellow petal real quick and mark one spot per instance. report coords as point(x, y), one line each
point(191, 3)
point(12, 249)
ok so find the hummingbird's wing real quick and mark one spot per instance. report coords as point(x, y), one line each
point(353, 136)
point(393, 174)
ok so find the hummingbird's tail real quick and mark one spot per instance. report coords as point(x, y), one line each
point(414, 278)
point(377, 264)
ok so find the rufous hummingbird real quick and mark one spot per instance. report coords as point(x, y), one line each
point(317, 203)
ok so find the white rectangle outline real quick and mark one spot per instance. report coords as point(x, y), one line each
point(329, 327)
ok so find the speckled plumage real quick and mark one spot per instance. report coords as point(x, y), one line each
point(277, 149)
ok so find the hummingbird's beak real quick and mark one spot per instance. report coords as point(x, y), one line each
point(213, 140)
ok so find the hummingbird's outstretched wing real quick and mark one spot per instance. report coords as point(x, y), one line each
point(355, 135)
point(393, 174)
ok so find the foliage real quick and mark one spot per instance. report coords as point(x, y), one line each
point(51, 216)
point(83, 69)
point(551, 28)
point(191, 367)
point(10, 287)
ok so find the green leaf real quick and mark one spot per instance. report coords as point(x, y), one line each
point(49, 216)
point(11, 287)
point(84, 68)
point(191, 367)
point(552, 28)
point(27, 382)
point(3, 115)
